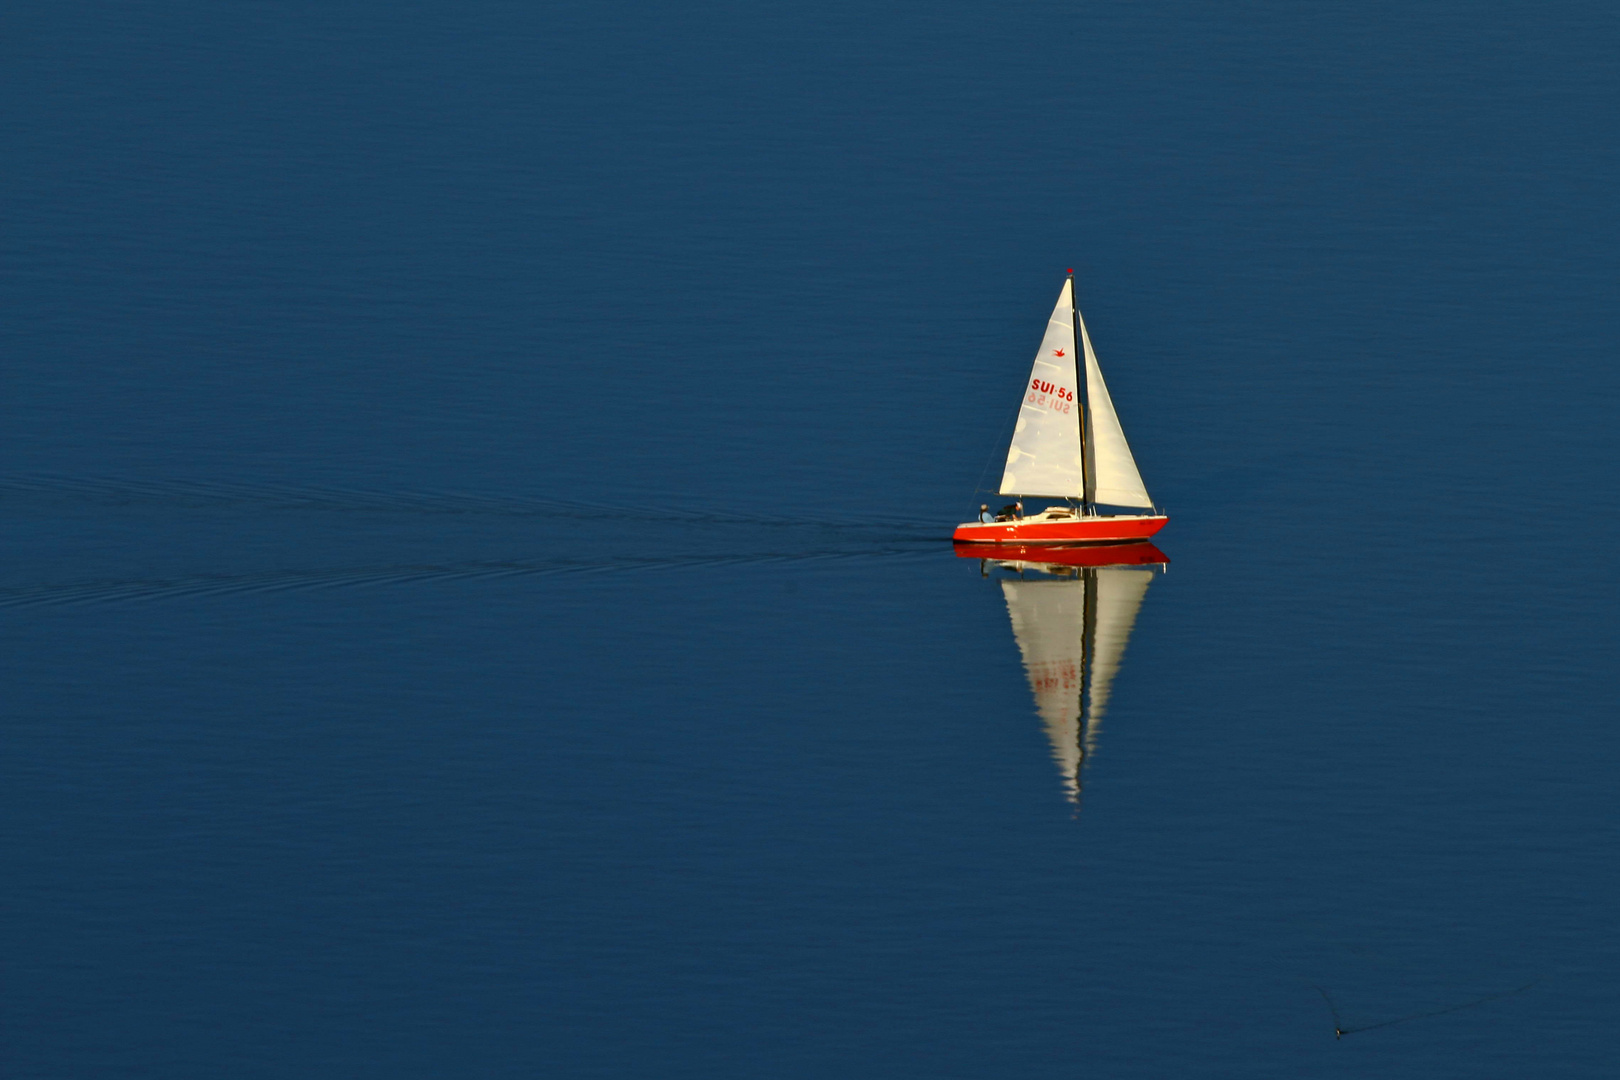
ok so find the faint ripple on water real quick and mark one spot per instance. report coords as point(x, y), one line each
point(121, 491)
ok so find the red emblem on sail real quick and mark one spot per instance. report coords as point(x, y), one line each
point(1057, 352)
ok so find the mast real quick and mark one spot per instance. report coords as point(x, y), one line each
point(1088, 483)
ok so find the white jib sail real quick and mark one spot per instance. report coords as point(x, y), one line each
point(1044, 458)
point(1048, 622)
point(1117, 482)
point(1119, 597)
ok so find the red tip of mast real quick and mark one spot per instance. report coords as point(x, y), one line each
point(1071, 269)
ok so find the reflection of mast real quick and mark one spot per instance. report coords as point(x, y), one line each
point(1072, 634)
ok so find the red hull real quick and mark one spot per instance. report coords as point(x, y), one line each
point(1075, 531)
point(1141, 554)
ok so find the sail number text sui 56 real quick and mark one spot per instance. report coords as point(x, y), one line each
point(1057, 398)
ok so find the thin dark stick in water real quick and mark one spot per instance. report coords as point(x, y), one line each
point(1437, 1012)
point(1338, 1025)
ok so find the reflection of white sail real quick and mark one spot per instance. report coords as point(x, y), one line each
point(1119, 598)
point(1069, 630)
point(1048, 619)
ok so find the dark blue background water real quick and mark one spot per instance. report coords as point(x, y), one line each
point(380, 701)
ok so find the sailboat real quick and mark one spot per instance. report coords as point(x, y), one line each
point(1068, 445)
point(1072, 633)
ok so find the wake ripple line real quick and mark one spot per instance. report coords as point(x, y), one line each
point(211, 585)
point(202, 493)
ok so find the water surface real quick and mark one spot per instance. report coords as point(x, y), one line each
point(474, 583)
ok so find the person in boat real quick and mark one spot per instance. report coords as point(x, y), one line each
point(1011, 512)
point(985, 516)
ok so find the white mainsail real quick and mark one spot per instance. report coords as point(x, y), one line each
point(1115, 479)
point(1044, 458)
point(1059, 637)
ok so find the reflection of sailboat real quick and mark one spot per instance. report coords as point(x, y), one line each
point(1050, 558)
point(1072, 629)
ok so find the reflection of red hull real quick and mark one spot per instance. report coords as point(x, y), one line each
point(1071, 531)
point(1140, 554)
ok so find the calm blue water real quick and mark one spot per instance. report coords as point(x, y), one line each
point(384, 699)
